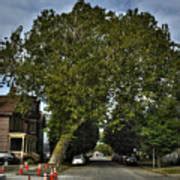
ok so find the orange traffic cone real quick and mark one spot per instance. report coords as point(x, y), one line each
point(26, 166)
point(38, 171)
point(2, 169)
point(55, 174)
point(51, 177)
point(45, 176)
point(20, 172)
point(46, 166)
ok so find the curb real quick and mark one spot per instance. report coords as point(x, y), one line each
point(160, 172)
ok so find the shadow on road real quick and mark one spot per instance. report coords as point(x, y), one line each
point(103, 163)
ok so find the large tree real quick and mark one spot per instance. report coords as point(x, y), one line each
point(63, 61)
point(90, 61)
point(145, 81)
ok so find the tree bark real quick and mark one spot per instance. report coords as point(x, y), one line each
point(62, 145)
point(153, 158)
point(158, 161)
point(60, 149)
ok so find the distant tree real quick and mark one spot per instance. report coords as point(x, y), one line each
point(161, 131)
point(84, 140)
point(122, 138)
point(104, 148)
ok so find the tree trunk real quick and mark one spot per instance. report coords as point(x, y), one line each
point(158, 161)
point(153, 158)
point(61, 146)
point(60, 149)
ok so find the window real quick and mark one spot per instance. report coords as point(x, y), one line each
point(16, 144)
point(16, 124)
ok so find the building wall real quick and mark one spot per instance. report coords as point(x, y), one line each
point(40, 136)
point(4, 131)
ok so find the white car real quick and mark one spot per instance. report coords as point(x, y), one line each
point(78, 160)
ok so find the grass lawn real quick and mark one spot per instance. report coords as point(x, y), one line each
point(168, 170)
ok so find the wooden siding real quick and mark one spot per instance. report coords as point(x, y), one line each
point(4, 131)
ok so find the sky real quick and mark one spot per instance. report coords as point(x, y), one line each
point(22, 12)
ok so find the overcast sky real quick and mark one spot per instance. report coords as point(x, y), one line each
point(22, 12)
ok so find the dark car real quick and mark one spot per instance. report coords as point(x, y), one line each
point(8, 158)
point(131, 161)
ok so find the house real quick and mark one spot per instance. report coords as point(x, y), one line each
point(21, 134)
point(98, 154)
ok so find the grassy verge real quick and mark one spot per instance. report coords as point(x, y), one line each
point(168, 170)
point(174, 170)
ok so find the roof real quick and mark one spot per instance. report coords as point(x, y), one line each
point(8, 105)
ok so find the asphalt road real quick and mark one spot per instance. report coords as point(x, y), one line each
point(105, 170)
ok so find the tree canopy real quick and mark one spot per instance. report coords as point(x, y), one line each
point(94, 64)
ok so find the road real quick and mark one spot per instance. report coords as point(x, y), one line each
point(105, 170)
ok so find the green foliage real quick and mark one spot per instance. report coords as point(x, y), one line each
point(161, 130)
point(145, 76)
point(10, 55)
point(122, 138)
point(84, 138)
point(104, 148)
point(89, 61)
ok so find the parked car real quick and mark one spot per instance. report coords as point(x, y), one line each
point(117, 158)
point(132, 160)
point(79, 160)
point(8, 158)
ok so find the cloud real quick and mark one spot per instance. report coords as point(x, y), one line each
point(165, 12)
point(22, 12)
point(115, 5)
